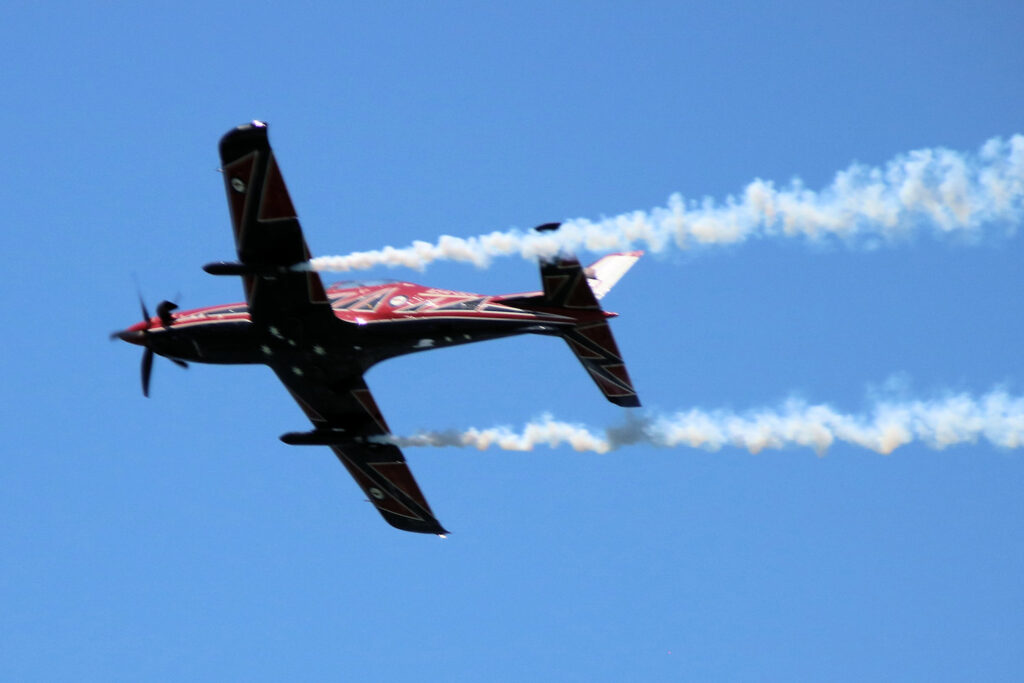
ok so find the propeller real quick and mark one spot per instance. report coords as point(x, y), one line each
point(163, 312)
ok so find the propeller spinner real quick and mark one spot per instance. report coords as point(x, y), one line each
point(140, 334)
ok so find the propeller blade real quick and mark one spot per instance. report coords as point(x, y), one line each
point(163, 311)
point(145, 311)
point(147, 370)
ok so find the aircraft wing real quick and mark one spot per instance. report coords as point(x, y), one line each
point(342, 407)
point(268, 237)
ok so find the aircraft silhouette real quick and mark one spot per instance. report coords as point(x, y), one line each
point(321, 341)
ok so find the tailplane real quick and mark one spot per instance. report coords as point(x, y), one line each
point(595, 346)
point(575, 291)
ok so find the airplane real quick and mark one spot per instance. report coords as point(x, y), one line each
point(320, 342)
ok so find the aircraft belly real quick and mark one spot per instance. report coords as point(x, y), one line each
point(218, 343)
point(383, 340)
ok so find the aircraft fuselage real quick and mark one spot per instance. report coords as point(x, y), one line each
point(373, 322)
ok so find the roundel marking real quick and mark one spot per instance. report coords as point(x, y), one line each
point(238, 185)
point(397, 301)
point(376, 493)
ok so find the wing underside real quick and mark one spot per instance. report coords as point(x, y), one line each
point(290, 304)
point(268, 237)
point(344, 408)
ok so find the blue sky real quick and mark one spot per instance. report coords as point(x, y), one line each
point(176, 537)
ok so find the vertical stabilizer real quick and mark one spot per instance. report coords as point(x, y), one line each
point(608, 270)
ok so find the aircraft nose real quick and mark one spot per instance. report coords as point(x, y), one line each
point(132, 335)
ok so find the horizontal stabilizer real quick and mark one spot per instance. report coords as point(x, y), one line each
point(570, 288)
point(565, 285)
point(596, 349)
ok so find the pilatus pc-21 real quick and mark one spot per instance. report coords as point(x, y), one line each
point(321, 341)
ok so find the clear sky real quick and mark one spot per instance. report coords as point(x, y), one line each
point(176, 538)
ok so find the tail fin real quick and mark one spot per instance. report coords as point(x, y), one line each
point(568, 287)
point(608, 270)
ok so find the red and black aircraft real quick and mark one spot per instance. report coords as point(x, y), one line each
point(321, 341)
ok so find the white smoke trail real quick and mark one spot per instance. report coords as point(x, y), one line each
point(996, 418)
point(944, 191)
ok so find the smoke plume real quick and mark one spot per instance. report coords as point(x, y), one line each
point(996, 418)
point(938, 191)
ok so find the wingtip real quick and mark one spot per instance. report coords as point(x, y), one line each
point(631, 401)
point(255, 124)
point(416, 526)
point(243, 139)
